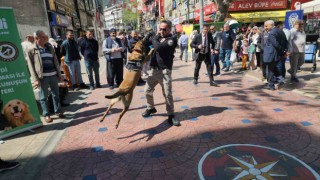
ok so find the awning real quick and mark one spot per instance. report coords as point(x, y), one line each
point(310, 7)
point(260, 16)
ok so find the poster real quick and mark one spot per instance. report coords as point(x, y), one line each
point(19, 111)
point(188, 28)
point(292, 17)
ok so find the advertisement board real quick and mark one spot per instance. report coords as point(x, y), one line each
point(253, 5)
point(19, 111)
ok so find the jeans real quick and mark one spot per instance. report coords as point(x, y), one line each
point(75, 70)
point(93, 67)
point(225, 57)
point(45, 83)
point(215, 61)
point(184, 49)
point(281, 68)
point(296, 61)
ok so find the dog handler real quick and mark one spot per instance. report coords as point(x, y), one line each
point(161, 63)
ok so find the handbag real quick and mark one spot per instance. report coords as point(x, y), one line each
point(252, 48)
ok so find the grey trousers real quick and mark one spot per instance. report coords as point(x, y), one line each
point(162, 77)
point(296, 61)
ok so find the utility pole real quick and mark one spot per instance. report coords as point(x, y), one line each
point(201, 15)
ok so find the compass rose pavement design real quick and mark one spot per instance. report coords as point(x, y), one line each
point(247, 161)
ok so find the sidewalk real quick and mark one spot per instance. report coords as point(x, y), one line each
point(236, 112)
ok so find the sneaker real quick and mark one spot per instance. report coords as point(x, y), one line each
point(83, 86)
point(91, 88)
point(48, 119)
point(216, 74)
point(272, 88)
point(148, 112)
point(195, 81)
point(6, 165)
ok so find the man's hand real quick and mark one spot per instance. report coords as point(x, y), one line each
point(113, 50)
point(200, 46)
point(212, 51)
point(36, 84)
point(216, 52)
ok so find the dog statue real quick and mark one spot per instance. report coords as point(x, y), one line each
point(132, 74)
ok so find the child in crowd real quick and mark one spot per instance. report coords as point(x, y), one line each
point(244, 51)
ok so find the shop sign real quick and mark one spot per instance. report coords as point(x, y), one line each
point(81, 5)
point(209, 9)
point(52, 6)
point(60, 9)
point(296, 4)
point(240, 5)
point(59, 20)
point(315, 15)
point(76, 23)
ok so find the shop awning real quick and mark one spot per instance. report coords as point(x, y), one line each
point(310, 7)
point(260, 16)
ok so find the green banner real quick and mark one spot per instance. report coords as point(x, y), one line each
point(19, 110)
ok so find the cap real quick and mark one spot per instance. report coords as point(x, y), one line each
point(113, 30)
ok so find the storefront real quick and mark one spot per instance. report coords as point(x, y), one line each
point(258, 10)
point(58, 25)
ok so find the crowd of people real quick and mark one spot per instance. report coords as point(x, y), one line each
point(264, 49)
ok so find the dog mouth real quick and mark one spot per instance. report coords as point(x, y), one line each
point(17, 114)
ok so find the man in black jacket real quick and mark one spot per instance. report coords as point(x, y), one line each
point(89, 49)
point(164, 45)
point(204, 45)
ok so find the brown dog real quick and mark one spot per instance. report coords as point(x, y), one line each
point(131, 78)
point(17, 113)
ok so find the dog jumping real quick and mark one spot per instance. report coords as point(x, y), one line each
point(132, 74)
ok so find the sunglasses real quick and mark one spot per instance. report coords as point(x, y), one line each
point(163, 29)
point(212, 29)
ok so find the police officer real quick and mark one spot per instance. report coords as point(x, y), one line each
point(161, 63)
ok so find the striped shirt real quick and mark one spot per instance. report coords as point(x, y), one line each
point(47, 62)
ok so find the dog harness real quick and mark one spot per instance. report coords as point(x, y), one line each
point(134, 65)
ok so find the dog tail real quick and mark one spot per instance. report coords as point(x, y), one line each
point(116, 94)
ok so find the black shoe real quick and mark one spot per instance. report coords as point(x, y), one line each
point(227, 69)
point(141, 82)
point(61, 115)
point(172, 120)
point(5, 165)
point(98, 86)
point(269, 87)
point(280, 85)
point(195, 81)
point(294, 79)
point(212, 83)
point(148, 112)
point(65, 104)
point(216, 74)
point(75, 87)
point(83, 86)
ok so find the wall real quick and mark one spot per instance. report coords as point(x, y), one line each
point(30, 15)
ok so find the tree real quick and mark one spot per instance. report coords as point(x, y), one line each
point(223, 6)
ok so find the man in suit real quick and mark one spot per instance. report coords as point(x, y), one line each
point(203, 44)
point(274, 50)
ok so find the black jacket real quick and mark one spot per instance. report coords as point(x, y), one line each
point(164, 52)
point(89, 49)
point(198, 40)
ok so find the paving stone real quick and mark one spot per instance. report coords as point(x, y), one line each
point(156, 154)
point(103, 129)
point(246, 121)
point(306, 123)
point(97, 149)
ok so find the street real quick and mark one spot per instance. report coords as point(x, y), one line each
point(239, 111)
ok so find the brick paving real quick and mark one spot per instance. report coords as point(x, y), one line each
point(236, 112)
